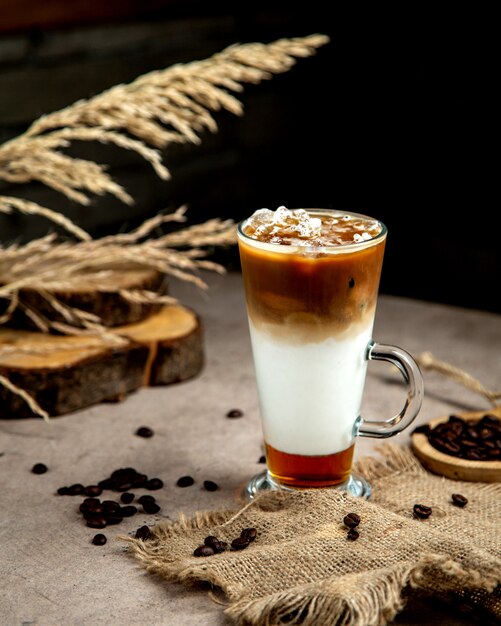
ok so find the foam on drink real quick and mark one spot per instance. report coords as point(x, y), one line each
point(311, 283)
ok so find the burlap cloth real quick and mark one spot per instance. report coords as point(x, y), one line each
point(302, 569)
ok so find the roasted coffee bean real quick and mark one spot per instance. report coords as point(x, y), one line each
point(97, 522)
point(262, 459)
point(94, 510)
point(422, 511)
point(127, 497)
point(139, 480)
point(452, 448)
point(211, 540)
point(490, 420)
point(475, 455)
point(128, 511)
point(234, 413)
point(352, 534)
point(423, 429)
point(219, 546)
point(110, 506)
point(150, 508)
point(75, 490)
point(143, 533)
point(154, 483)
point(63, 491)
point(88, 504)
point(185, 481)
point(249, 533)
point(39, 468)
point(146, 498)
point(239, 543)
point(99, 539)
point(459, 500)
point(107, 483)
point(114, 518)
point(93, 490)
point(144, 431)
point(203, 551)
point(125, 486)
point(351, 520)
point(209, 485)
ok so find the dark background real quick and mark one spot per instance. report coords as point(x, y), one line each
point(393, 118)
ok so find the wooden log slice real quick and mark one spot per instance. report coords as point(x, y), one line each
point(64, 374)
point(107, 303)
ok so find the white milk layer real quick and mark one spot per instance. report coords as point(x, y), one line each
point(310, 393)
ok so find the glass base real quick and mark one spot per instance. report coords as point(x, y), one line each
point(355, 485)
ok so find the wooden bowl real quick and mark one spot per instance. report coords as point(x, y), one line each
point(451, 466)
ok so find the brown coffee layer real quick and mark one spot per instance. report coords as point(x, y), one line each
point(314, 295)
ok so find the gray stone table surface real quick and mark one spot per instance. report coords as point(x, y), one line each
point(51, 573)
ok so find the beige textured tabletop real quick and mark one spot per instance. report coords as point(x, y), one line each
point(51, 573)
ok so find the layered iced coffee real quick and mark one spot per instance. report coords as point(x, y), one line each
point(311, 281)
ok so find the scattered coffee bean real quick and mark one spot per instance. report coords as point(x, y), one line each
point(249, 533)
point(422, 511)
point(204, 551)
point(239, 543)
point(234, 413)
point(352, 534)
point(144, 431)
point(75, 490)
point(123, 487)
point(146, 498)
point(185, 481)
point(150, 508)
point(99, 539)
point(92, 510)
point(143, 533)
point(154, 483)
point(129, 511)
point(459, 500)
point(127, 497)
point(474, 440)
point(110, 506)
point(351, 520)
point(209, 485)
point(210, 540)
point(220, 546)
point(90, 504)
point(93, 490)
point(114, 518)
point(262, 459)
point(63, 491)
point(97, 522)
point(39, 468)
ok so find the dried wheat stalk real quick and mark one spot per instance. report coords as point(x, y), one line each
point(174, 105)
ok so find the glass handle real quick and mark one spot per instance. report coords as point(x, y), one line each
point(414, 381)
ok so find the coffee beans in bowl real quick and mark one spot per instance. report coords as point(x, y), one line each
point(465, 447)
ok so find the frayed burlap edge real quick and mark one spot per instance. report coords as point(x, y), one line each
point(356, 599)
point(371, 601)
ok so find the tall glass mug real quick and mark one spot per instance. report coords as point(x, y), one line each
point(311, 282)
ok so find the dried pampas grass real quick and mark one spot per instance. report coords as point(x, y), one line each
point(174, 105)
